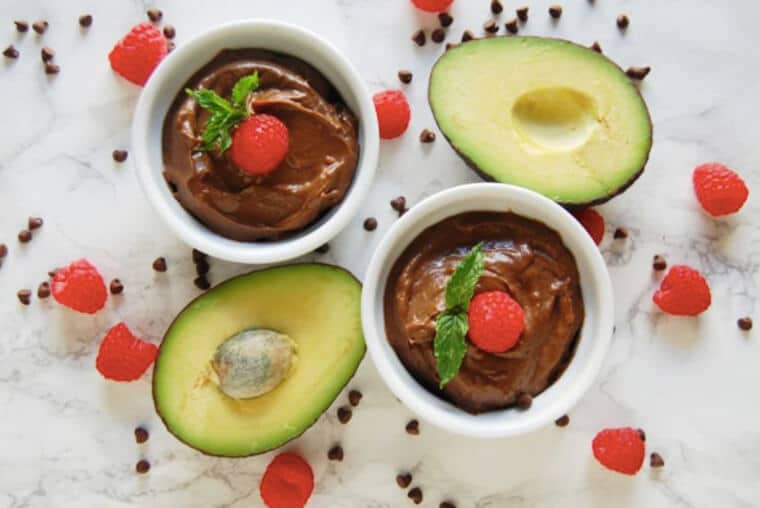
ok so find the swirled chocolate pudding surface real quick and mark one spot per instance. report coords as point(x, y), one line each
point(523, 257)
point(315, 174)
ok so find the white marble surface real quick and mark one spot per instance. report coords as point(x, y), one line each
point(66, 434)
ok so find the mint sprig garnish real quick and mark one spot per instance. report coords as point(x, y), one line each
point(225, 115)
point(451, 325)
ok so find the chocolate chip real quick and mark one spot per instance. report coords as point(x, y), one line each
point(120, 155)
point(427, 136)
point(512, 26)
point(596, 47)
point(642, 434)
point(40, 26)
point(143, 466)
point(10, 52)
point(656, 460)
point(555, 11)
point(623, 22)
point(398, 203)
point(159, 264)
point(169, 32)
point(199, 256)
point(496, 6)
point(51, 68)
point(170, 46)
point(154, 15)
point(450, 45)
point(85, 20)
point(202, 283)
point(335, 453)
point(467, 36)
point(324, 249)
point(413, 428)
point(116, 287)
point(52, 272)
point(344, 414)
point(35, 222)
point(415, 495)
point(405, 76)
point(438, 35)
point(447, 504)
point(524, 401)
point(522, 13)
point(370, 223)
point(141, 435)
point(419, 37)
point(3, 250)
point(638, 73)
point(562, 421)
point(24, 236)
point(620, 233)
point(202, 267)
point(354, 396)
point(47, 54)
point(21, 26)
point(745, 323)
point(43, 290)
point(24, 296)
point(490, 26)
point(659, 263)
point(445, 19)
point(404, 480)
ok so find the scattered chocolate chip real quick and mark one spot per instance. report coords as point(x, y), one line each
point(596, 47)
point(642, 434)
point(202, 283)
point(199, 256)
point(620, 233)
point(155, 15)
point(524, 401)
point(40, 26)
point(21, 26)
point(623, 22)
point(3, 250)
point(51, 68)
point(427, 136)
point(659, 263)
point(85, 20)
point(35, 222)
point(47, 54)
point(159, 264)
point(143, 466)
point(555, 11)
point(512, 26)
point(344, 414)
point(141, 435)
point(202, 267)
point(405, 76)
point(438, 35)
point(24, 236)
point(447, 504)
point(419, 37)
point(656, 460)
point(52, 272)
point(170, 46)
point(169, 32)
point(562, 421)
point(370, 223)
point(467, 36)
point(10, 52)
point(335, 453)
point(116, 287)
point(324, 249)
point(404, 480)
point(490, 26)
point(445, 19)
point(43, 290)
point(120, 155)
point(415, 495)
point(638, 73)
point(522, 13)
point(354, 396)
point(496, 7)
point(24, 296)
point(398, 203)
point(413, 428)
point(744, 323)
point(450, 45)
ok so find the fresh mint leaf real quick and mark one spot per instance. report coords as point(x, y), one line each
point(243, 87)
point(209, 99)
point(449, 345)
point(462, 283)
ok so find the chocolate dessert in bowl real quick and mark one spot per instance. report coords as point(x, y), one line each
point(487, 309)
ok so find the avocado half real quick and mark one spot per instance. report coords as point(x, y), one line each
point(315, 305)
point(541, 113)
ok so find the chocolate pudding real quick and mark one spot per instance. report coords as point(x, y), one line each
point(523, 257)
point(315, 174)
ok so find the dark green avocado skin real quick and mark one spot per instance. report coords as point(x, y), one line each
point(570, 206)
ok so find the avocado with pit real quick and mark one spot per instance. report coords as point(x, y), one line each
point(254, 362)
point(545, 114)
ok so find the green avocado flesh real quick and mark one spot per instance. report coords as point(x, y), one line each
point(544, 114)
point(317, 306)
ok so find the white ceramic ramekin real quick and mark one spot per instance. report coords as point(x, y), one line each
point(595, 334)
point(167, 80)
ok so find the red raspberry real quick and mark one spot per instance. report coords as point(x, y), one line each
point(259, 144)
point(122, 356)
point(683, 292)
point(620, 450)
point(79, 286)
point(432, 5)
point(496, 321)
point(593, 222)
point(287, 482)
point(140, 51)
point(393, 113)
point(719, 190)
